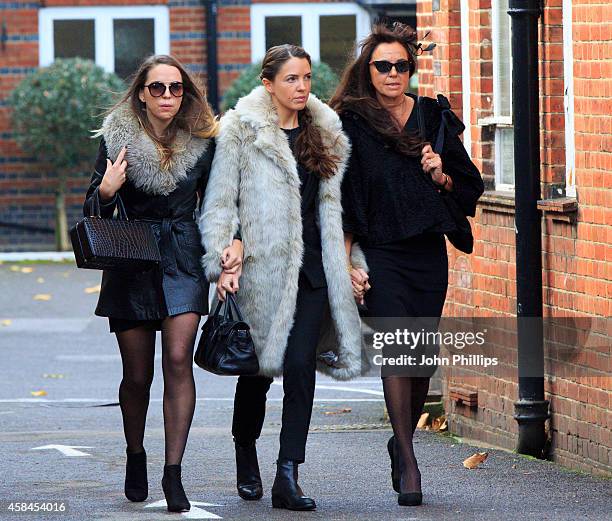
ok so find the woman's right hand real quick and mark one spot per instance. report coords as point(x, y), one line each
point(227, 282)
point(114, 177)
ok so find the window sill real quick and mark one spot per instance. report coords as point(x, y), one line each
point(496, 121)
point(497, 201)
point(560, 208)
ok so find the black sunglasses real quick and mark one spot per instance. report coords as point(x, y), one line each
point(157, 88)
point(384, 66)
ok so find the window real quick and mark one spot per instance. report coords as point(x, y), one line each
point(328, 32)
point(502, 97)
point(568, 77)
point(116, 38)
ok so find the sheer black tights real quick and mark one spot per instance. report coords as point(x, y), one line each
point(137, 348)
point(405, 398)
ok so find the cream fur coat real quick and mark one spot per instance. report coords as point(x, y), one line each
point(254, 183)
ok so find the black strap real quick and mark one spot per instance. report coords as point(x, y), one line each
point(96, 206)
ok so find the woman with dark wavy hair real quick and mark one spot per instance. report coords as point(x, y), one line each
point(155, 155)
point(393, 202)
point(275, 181)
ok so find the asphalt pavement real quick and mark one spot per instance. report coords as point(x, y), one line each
point(61, 440)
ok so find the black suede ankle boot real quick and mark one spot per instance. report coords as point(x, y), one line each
point(136, 485)
point(248, 479)
point(176, 499)
point(286, 493)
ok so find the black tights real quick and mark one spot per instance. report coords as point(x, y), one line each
point(137, 348)
point(405, 397)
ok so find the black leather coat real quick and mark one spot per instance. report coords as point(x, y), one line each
point(179, 286)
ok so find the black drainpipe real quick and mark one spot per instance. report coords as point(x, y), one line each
point(212, 71)
point(531, 410)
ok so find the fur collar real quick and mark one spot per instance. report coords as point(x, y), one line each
point(257, 111)
point(122, 128)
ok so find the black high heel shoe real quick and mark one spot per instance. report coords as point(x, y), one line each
point(395, 464)
point(409, 499)
point(136, 486)
point(176, 499)
point(286, 493)
point(248, 479)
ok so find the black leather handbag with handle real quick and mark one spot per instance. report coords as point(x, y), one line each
point(226, 347)
point(114, 244)
point(462, 237)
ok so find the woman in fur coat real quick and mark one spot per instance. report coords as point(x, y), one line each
point(155, 154)
point(275, 181)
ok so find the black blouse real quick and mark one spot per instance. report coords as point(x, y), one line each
point(387, 197)
point(312, 263)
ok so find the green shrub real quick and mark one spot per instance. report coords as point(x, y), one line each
point(324, 82)
point(54, 111)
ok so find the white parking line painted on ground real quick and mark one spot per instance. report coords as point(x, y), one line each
point(206, 399)
point(39, 326)
point(348, 389)
point(66, 450)
point(194, 513)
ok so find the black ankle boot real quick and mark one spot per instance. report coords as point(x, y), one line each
point(395, 464)
point(286, 493)
point(248, 479)
point(136, 486)
point(176, 498)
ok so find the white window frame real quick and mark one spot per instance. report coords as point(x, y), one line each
point(500, 122)
point(309, 14)
point(466, 76)
point(104, 34)
point(568, 100)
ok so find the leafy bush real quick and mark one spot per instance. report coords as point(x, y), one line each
point(324, 82)
point(54, 111)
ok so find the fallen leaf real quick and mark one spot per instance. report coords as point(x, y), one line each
point(40, 280)
point(53, 375)
point(475, 459)
point(15, 268)
point(444, 426)
point(339, 411)
point(6, 322)
point(42, 296)
point(38, 393)
point(436, 423)
point(26, 270)
point(423, 420)
point(66, 274)
point(93, 289)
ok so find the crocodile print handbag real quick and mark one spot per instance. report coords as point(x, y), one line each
point(114, 244)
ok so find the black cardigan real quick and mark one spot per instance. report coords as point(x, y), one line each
point(387, 197)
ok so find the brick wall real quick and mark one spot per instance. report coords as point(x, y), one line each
point(577, 246)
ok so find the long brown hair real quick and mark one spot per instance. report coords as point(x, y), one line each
point(194, 116)
point(357, 94)
point(309, 148)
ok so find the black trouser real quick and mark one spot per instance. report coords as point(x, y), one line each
point(298, 381)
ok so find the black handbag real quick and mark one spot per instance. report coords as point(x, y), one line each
point(226, 347)
point(462, 237)
point(114, 244)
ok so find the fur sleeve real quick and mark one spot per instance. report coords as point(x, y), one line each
point(219, 220)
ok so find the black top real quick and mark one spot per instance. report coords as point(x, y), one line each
point(386, 195)
point(312, 263)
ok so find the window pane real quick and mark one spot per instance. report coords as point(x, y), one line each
point(283, 29)
point(134, 40)
point(337, 38)
point(74, 38)
point(504, 58)
point(506, 149)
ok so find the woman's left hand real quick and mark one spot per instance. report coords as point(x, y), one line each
point(231, 258)
point(432, 165)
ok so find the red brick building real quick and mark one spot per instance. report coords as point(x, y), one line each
point(472, 63)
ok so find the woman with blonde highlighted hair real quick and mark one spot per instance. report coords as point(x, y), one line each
point(155, 156)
